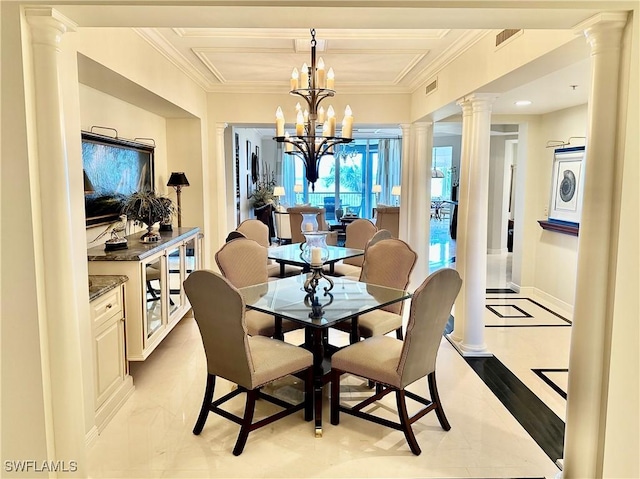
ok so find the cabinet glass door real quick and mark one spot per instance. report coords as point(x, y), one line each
point(154, 292)
point(175, 259)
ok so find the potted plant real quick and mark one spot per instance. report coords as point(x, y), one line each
point(262, 198)
point(263, 193)
point(147, 208)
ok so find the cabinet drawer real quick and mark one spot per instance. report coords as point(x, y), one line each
point(107, 305)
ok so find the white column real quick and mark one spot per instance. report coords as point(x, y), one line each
point(407, 154)
point(52, 217)
point(475, 239)
point(219, 209)
point(419, 196)
point(590, 341)
point(457, 334)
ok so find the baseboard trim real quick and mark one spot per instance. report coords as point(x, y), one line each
point(553, 303)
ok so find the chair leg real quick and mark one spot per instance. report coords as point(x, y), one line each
point(335, 396)
point(435, 399)
point(246, 422)
point(206, 404)
point(405, 422)
point(399, 333)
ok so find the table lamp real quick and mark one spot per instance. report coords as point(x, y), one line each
point(395, 191)
point(178, 179)
point(278, 191)
point(377, 189)
point(297, 188)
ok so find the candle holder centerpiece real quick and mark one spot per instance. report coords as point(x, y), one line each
point(315, 252)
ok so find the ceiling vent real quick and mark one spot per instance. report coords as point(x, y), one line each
point(504, 35)
point(431, 87)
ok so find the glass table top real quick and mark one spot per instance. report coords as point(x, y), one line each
point(291, 253)
point(349, 298)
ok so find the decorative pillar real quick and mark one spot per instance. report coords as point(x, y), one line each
point(64, 408)
point(419, 196)
point(595, 288)
point(220, 210)
point(461, 227)
point(407, 152)
point(475, 226)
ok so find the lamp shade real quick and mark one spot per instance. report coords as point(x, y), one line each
point(377, 188)
point(178, 178)
point(436, 173)
point(278, 191)
point(395, 191)
point(298, 188)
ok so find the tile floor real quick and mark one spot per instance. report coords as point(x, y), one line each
point(151, 435)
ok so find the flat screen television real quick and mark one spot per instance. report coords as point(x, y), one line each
point(116, 168)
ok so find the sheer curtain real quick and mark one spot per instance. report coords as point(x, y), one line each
point(288, 177)
point(388, 174)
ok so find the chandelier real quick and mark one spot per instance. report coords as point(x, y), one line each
point(315, 134)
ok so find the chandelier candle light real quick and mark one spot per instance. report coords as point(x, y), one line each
point(314, 84)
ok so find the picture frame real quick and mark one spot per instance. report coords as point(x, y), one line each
point(249, 151)
point(249, 186)
point(116, 168)
point(567, 177)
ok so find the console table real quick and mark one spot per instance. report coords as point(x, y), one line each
point(154, 296)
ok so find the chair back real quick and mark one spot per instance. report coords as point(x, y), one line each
point(218, 309)
point(243, 262)
point(330, 207)
point(378, 236)
point(295, 219)
point(389, 263)
point(358, 232)
point(234, 235)
point(255, 230)
point(430, 310)
point(388, 218)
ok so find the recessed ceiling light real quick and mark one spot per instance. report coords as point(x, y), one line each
point(523, 103)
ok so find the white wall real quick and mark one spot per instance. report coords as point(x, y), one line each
point(100, 109)
point(556, 253)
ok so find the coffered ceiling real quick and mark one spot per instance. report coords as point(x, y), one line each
point(373, 47)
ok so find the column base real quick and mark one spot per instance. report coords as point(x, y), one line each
point(466, 351)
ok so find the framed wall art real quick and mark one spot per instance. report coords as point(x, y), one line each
point(567, 179)
point(248, 156)
point(116, 168)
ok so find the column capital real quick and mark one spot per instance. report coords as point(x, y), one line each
point(220, 127)
point(48, 25)
point(603, 31)
point(422, 126)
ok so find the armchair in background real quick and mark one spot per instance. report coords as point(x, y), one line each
point(295, 219)
point(388, 218)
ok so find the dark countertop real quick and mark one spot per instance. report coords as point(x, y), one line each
point(100, 284)
point(138, 250)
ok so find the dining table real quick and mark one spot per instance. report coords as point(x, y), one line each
point(317, 311)
point(291, 254)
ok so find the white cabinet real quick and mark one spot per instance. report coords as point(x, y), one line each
point(112, 382)
point(155, 300)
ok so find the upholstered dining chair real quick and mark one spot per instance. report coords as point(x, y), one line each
point(386, 263)
point(396, 364)
point(358, 233)
point(295, 219)
point(388, 218)
point(248, 361)
point(259, 232)
point(244, 263)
